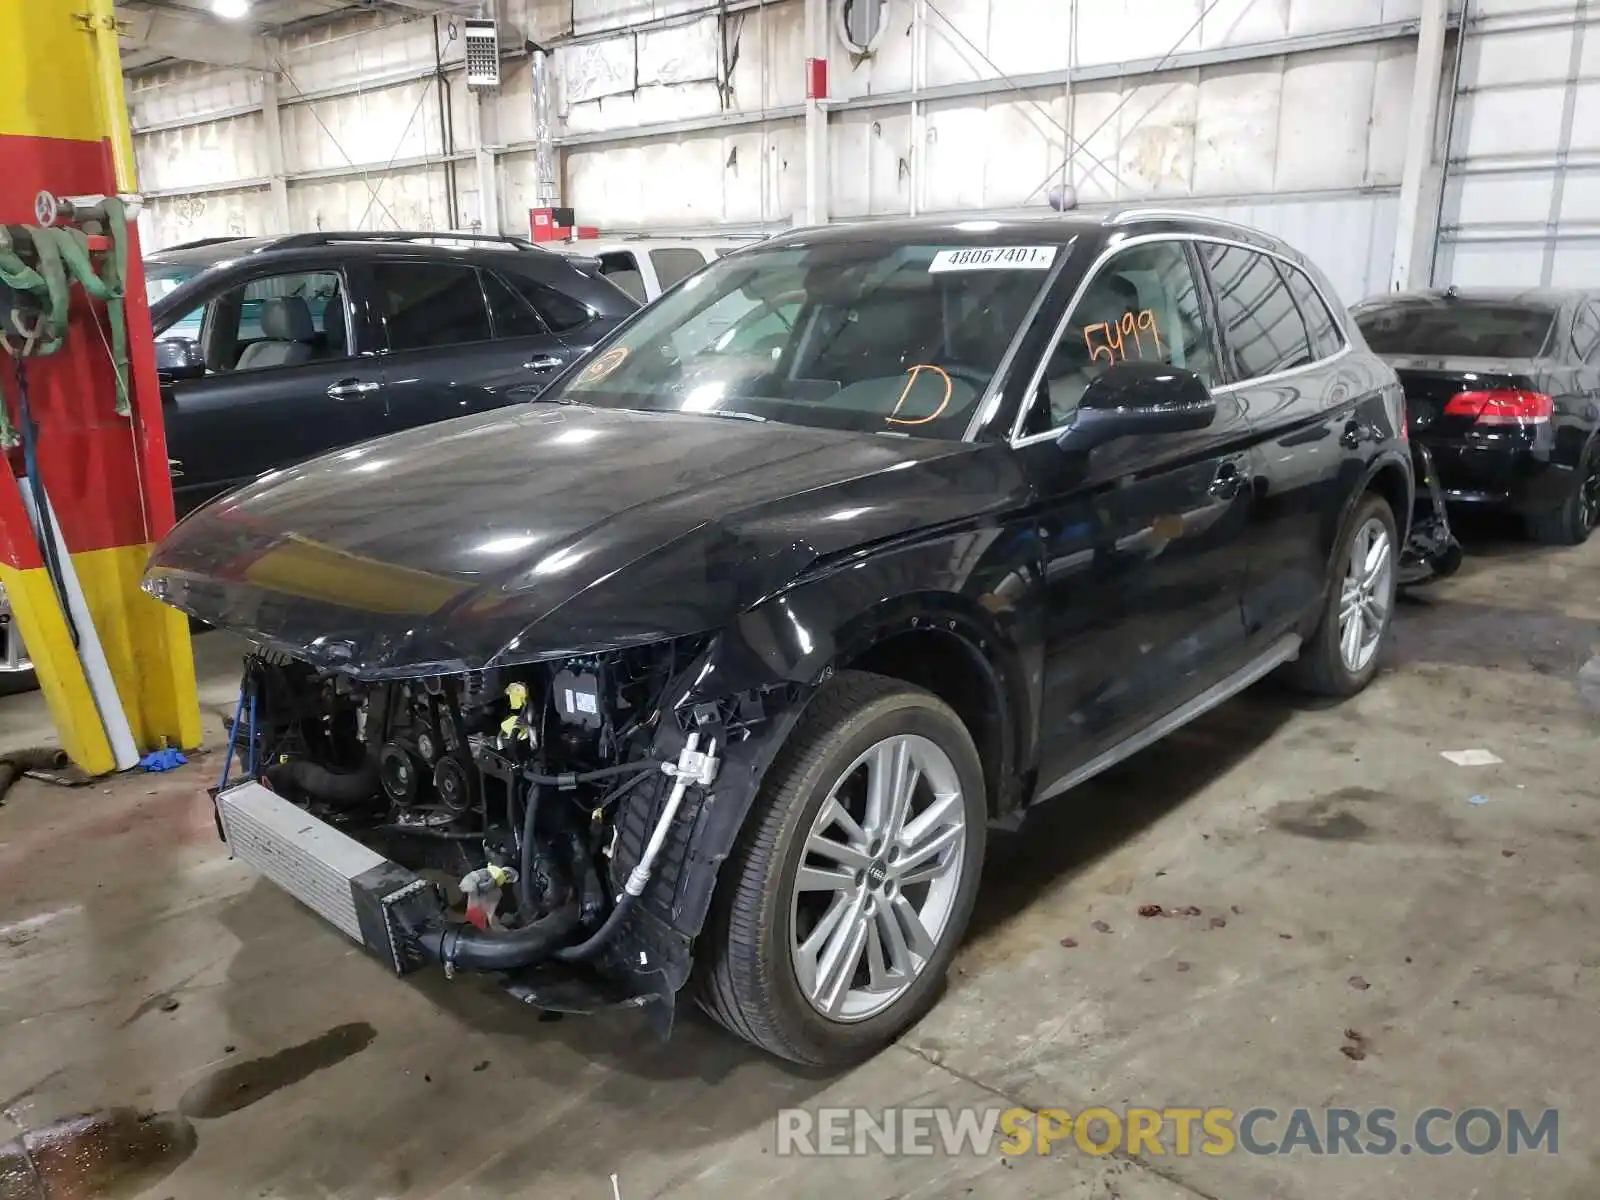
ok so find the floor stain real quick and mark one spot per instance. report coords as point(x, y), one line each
point(1327, 818)
point(242, 1084)
point(161, 1002)
point(108, 1155)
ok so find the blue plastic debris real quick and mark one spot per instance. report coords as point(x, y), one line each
point(163, 760)
point(1478, 800)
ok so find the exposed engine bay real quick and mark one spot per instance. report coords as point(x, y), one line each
point(515, 817)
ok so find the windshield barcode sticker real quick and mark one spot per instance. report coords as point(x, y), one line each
point(994, 258)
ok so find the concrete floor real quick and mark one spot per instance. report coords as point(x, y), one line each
point(141, 968)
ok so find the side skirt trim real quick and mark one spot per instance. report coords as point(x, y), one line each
point(1279, 653)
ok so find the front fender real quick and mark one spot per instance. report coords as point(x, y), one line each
point(753, 684)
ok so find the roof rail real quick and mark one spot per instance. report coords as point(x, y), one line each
point(1128, 216)
point(299, 241)
point(201, 243)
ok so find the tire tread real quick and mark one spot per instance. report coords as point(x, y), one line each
point(732, 984)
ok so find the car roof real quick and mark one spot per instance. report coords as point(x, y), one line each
point(980, 229)
point(1540, 297)
point(589, 247)
point(209, 252)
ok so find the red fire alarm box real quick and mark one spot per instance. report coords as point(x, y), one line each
point(816, 79)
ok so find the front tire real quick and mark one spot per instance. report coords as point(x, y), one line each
point(851, 884)
point(1341, 657)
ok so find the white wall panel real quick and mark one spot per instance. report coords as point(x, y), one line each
point(1236, 129)
point(203, 154)
point(375, 127)
point(595, 70)
point(413, 199)
point(1522, 194)
point(746, 176)
point(169, 220)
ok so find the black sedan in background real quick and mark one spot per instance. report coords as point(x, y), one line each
point(1503, 388)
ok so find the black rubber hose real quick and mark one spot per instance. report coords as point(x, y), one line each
point(596, 941)
point(342, 789)
point(422, 831)
point(525, 858)
point(573, 778)
point(591, 895)
point(472, 949)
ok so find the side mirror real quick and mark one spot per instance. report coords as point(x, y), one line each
point(179, 358)
point(1138, 397)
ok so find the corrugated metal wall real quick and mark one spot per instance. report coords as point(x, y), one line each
point(1522, 194)
point(1286, 113)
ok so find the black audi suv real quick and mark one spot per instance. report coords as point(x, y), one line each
point(707, 671)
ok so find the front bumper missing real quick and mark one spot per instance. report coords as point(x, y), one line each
point(376, 903)
point(383, 906)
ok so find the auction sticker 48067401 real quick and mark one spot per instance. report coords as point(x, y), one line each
point(994, 258)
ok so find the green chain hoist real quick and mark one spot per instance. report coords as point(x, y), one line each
point(56, 256)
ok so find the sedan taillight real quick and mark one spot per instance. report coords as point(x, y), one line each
point(1501, 406)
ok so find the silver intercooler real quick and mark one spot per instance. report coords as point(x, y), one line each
point(373, 901)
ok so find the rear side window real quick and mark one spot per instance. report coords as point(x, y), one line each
point(1586, 334)
point(425, 305)
point(513, 316)
point(673, 263)
point(623, 270)
point(1261, 326)
point(1443, 327)
point(559, 310)
point(1326, 340)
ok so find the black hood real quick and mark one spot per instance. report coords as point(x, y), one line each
point(544, 531)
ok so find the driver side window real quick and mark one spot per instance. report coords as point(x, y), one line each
point(1142, 305)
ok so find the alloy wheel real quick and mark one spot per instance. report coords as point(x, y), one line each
point(1589, 494)
point(1365, 595)
point(878, 879)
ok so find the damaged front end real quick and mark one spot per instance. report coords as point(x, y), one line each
point(1431, 551)
point(555, 824)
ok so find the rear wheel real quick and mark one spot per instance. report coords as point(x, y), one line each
point(1341, 657)
point(844, 900)
point(1569, 523)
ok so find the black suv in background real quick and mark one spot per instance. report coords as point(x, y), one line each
point(1503, 388)
point(274, 350)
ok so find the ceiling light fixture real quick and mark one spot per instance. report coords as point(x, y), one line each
point(233, 10)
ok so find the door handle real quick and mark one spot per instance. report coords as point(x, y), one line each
point(1225, 484)
point(347, 388)
point(545, 362)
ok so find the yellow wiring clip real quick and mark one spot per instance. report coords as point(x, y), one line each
point(517, 695)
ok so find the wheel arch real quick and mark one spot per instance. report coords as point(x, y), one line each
point(944, 642)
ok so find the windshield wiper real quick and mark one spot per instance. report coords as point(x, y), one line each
point(730, 413)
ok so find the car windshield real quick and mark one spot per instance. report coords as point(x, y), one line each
point(1445, 328)
point(855, 335)
point(161, 278)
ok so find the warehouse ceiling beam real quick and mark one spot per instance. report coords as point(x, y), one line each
point(191, 37)
point(436, 7)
